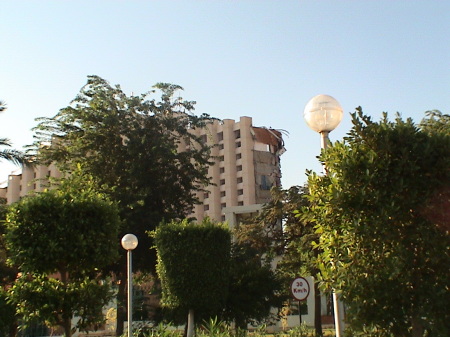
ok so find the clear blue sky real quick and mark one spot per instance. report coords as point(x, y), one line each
point(263, 59)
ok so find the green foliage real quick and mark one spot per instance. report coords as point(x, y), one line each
point(159, 330)
point(7, 313)
point(213, 327)
point(13, 156)
point(300, 331)
point(254, 288)
point(280, 231)
point(46, 299)
point(129, 144)
point(72, 229)
point(379, 246)
point(8, 274)
point(246, 290)
point(193, 265)
point(436, 122)
point(59, 240)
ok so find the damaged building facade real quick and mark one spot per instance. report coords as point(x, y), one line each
point(247, 165)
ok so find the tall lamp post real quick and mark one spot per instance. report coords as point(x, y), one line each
point(129, 242)
point(323, 114)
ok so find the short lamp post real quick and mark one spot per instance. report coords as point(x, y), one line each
point(323, 114)
point(129, 242)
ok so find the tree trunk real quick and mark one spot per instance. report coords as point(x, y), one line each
point(121, 313)
point(13, 329)
point(67, 325)
point(417, 327)
point(317, 311)
point(416, 322)
point(240, 324)
point(190, 332)
point(185, 330)
point(66, 316)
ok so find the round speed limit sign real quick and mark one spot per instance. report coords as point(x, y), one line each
point(300, 289)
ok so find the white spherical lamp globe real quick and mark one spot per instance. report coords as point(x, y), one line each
point(129, 241)
point(323, 113)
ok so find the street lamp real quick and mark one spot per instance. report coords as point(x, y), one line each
point(129, 242)
point(323, 114)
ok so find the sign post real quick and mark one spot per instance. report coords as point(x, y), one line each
point(300, 290)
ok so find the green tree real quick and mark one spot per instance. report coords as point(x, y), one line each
point(279, 231)
point(254, 289)
point(193, 265)
point(131, 144)
point(380, 248)
point(8, 321)
point(59, 240)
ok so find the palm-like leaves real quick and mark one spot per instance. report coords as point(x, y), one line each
point(10, 155)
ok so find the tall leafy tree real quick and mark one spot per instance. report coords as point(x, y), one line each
point(140, 149)
point(380, 246)
point(59, 240)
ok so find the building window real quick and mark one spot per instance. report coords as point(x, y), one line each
point(222, 194)
point(223, 205)
point(239, 168)
point(265, 183)
point(240, 192)
point(223, 218)
point(221, 146)
point(220, 136)
point(221, 158)
point(204, 139)
point(240, 203)
point(238, 144)
point(222, 181)
point(206, 195)
point(237, 134)
point(222, 170)
point(239, 180)
point(206, 207)
point(238, 156)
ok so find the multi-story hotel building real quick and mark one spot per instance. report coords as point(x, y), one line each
point(247, 165)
